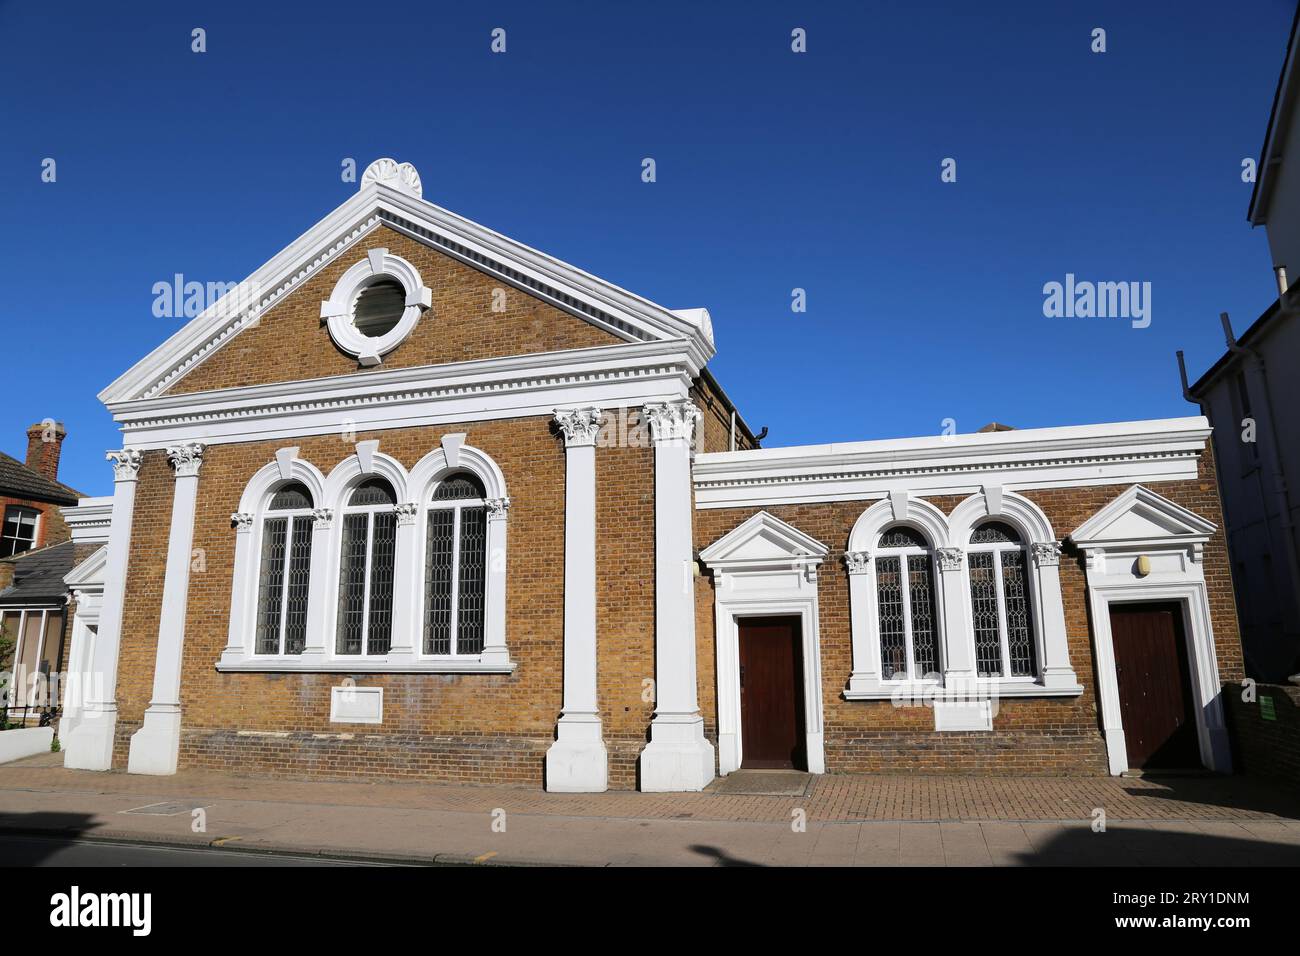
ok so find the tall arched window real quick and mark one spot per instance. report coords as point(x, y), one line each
point(999, 594)
point(909, 640)
point(285, 571)
point(455, 567)
point(365, 613)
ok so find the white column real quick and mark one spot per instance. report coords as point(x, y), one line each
point(494, 638)
point(863, 632)
point(678, 757)
point(958, 636)
point(1057, 672)
point(577, 762)
point(90, 744)
point(156, 745)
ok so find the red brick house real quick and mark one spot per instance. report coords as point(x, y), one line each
point(35, 553)
point(425, 502)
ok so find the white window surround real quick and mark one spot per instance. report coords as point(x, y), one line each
point(949, 537)
point(379, 264)
point(414, 490)
point(765, 567)
point(1141, 523)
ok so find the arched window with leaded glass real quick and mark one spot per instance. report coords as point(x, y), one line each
point(455, 567)
point(999, 591)
point(367, 554)
point(905, 601)
point(284, 571)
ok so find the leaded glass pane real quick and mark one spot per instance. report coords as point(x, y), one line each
point(292, 496)
point(374, 491)
point(903, 537)
point(270, 586)
point(458, 487)
point(984, 607)
point(473, 565)
point(295, 621)
point(437, 581)
point(920, 582)
point(1020, 636)
point(889, 598)
point(382, 553)
point(352, 584)
point(995, 532)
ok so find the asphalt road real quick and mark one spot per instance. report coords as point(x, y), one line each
point(41, 851)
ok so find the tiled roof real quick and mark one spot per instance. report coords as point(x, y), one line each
point(38, 575)
point(19, 481)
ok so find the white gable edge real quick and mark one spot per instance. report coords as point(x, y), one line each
point(562, 285)
point(1187, 524)
point(90, 572)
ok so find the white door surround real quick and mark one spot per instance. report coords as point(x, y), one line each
point(765, 568)
point(1141, 524)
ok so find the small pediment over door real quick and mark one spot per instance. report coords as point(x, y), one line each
point(1139, 516)
point(764, 541)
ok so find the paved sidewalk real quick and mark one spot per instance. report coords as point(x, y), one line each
point(850, 820)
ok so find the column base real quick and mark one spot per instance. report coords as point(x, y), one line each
point(577, 762)
point(156, 746)
point(1060, 678)
point(678, 758)
point(89, 745)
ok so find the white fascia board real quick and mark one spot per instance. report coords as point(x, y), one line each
point(349, 224)
point(1073, 456)
point(518, 386)
point(89, 519)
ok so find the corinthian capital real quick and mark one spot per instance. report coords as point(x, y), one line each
point(186, 458)
point(1046, 553)
point(672, 421)
point(126, 463)
point(857, 562)
point(579, 425)
point(949, 559)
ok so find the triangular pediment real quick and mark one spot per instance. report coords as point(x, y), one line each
point(90, 572)
point(764, 539)
point(397, 204)
point(1139, 515)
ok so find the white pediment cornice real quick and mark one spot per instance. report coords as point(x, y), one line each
point(763, 540)
point(1139, 517)
point(89, 574)
point(377, 203)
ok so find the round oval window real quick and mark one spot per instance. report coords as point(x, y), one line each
point(379, 308)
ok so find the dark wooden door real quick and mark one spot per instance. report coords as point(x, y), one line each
point(1155, 686)
point(771, 699)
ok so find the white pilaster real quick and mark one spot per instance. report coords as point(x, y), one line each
point(1057, 672)
point(406, 632)
point(90, 744)
point(863, 629)
point(577, 762)
point(678, 757)
point(958, 636)
point(156, 745)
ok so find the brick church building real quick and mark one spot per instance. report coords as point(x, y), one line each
point(422, 502)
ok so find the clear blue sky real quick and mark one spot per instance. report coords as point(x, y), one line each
point(775, 171)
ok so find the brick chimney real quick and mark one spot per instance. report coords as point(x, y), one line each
point(44, 443)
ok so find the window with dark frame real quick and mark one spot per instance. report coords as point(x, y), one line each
point(366, 570)
point(455, 567)
point(285, 572)
point(909, 635)
point(999, 592)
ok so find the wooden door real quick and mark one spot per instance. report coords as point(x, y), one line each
point(1155, 686)
point(771, 698)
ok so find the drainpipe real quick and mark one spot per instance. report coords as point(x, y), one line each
point(1280, 491)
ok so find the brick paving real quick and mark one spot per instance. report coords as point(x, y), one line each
point(833, 797)
point(850, 820)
